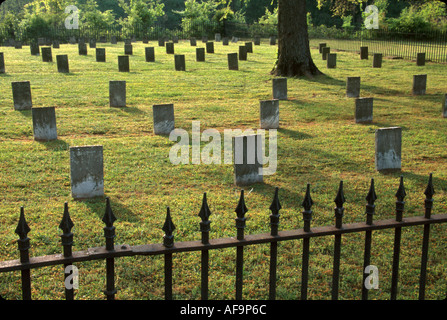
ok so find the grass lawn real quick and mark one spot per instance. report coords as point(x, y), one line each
point(318, 143)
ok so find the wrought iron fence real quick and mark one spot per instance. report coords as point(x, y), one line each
point(110, 252)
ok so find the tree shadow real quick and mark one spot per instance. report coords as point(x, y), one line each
point(97, 205)
point(295, 134)
point(55, 145)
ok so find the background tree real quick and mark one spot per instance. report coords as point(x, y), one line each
point(140, 15)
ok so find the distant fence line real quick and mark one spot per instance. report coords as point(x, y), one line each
point(389, 43)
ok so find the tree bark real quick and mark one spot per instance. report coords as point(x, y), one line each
point(294, 58)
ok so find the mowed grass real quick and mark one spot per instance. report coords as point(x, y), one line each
point(318, 143)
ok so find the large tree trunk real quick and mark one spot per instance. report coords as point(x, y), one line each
point(294, 57)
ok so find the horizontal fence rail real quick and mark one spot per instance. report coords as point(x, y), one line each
point(168, 247)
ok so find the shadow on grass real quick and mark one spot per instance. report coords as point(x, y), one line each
point(97, 205)
point(55, 145)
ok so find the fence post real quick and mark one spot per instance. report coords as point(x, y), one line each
point(109, 233)
point(241, 209)
point(370, 210)
point(67, 242)
point(400, 203)
point(168, 242)
point(274, 222)
point(339, 200)
point(307, 217)
point(24, 245)
point(429, 192)
point(205, 229)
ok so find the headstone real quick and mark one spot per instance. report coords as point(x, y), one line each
point(163, 115)
point(247, 168)
point(100, 54)
point(210, 47)
point(170, 47)
point(92, 43)
point(204, 39)
point(444, 106)
point(242, 53)
point(388, 148)
point(128, 49)
point(234, 39)
point(102, 39)
point(150, 54)
point(62, 63)
point(127, 41)
point(113, 40)
point(233, 63)
point(257, 40)
point(56, 44)
point(321, 46)
point(21, 95)
point(331, 61)
point(46, 54)
point(44, 124)
point(279, 86)
point(377, 60)
point(193, 42)
point(179, 62)
point(123, 63)
point(2, 62)
point(324, 52)
point(18, 45)
point(71, 40)
point(217, 37)
point(269, 114)
point(419, 84)
point(86, 172)
point(420, 60)
point(117, 93)
point(364, 53)
point(225, 41)
point(34, 48)
point(200, 54)
point(353, 87)
point(145, 39)
point(364, 110)
point(41, 41)
point(82, 48)
point(249, 46)
point(161, 42)
point(272, 41)
point(175, 39)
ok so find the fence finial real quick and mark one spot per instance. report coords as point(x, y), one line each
point(205, 213)
point(274, 217)
point(429, 192)
point(66, 224)
point(22, 227)
point(168, 228)
point(307, 205)
point(370, 207)
point(400, 195)
point(109, 230)
point(339, 201)
point(241, 210)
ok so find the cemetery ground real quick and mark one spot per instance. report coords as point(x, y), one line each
point(318, 143)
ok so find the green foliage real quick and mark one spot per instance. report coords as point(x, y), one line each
point(198, 16)
point(139, 14)
point(92, 18)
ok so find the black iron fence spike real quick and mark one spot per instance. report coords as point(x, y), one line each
point(371, 196)
point(108, 218)
point(340, 198)
point(401, 194)
point(276, 205)
point(22, 227)
point(307, 202)
point(205, 211)
point(241, 208)
point(429, 190)
point(274, 216)
point(66, 223)
point(168, 228)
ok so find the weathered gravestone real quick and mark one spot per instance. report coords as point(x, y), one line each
point(163, 115)
point(46, 54)
point(18, 45)
point(113, 40)
point(127, 41)
point(247, 167)
point(217, 37)
point(249, 46)
point(62, 63)
point(388, 149)
point(34, 48)
point(364, 53)
point(175, 39)
point(325, 51)
point(209, 47)
point(279, 86)
point(242, 53)
point(257, 40)
point(420, 59)
point(123, 63)
point(321, 46)
point(44, 124)
point(71, 40)
point(82, 48)
point(419, 84)
point(117, 93)
point(233, 63)
point(364, 110)
point(204, 39)
point(21, 94)
point(444, 106)
point(145, 39)
point(103, 39)
point(200, 54)
point(179, 62)
point(2, 62)
point(377, 60)
point(193, 42)
point(86, 172)
point(128, 49)
point(56, 44)
point(170, 47)
point(353, 87)
point(161, 42)
point(100, 54)
point(41, 41)
point(225, 41)
point(331, 61)
point(269, 114)
point(150, 54)
point(234, 39)
point(272, 41)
